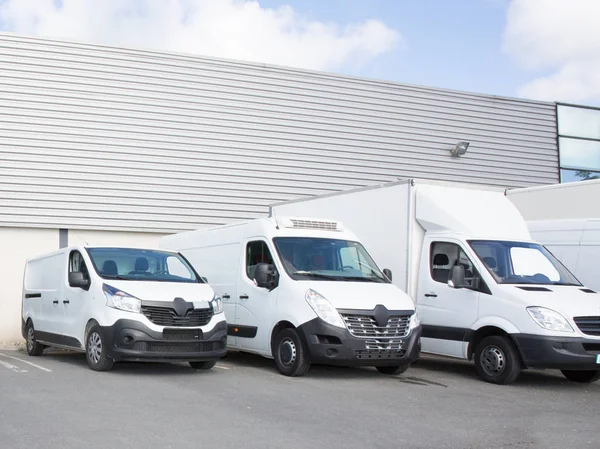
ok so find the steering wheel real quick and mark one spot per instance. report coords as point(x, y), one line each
point(348, 267)
point(161, 272)
point(541, 277)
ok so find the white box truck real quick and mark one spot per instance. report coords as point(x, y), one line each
point(566, 219)
point(304, 291)
point(483, 289)
point(119, 304)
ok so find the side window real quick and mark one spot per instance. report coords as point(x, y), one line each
point(256, 252)
point(77, 264)
point(444, 256)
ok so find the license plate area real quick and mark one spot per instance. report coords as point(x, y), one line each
point(182, 334)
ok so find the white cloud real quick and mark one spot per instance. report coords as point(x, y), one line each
point(560, 38)
point(235, 29)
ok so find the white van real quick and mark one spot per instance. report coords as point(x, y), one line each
point(304, 291)
point(122, 304)
point(484, 290)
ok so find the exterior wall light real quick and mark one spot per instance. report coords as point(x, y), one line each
point(460, 149)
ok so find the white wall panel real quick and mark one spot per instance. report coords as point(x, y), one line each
point(93, 137)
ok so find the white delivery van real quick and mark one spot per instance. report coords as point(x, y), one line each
point(565, 218)
point(122, 304)
point(304, 291)
point(483, 289)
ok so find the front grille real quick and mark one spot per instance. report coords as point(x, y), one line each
point(592, 347)
point(589, 325)
point(379, 354)
point(165, 347)
point(364, 326)
point(165, 316)
point(392, 345)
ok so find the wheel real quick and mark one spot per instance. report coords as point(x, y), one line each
point(290, 354)
point(33, 347)
point(497, 360)
point(582, 376)
point(95, 351)
point(202, 365)
point(398, 369)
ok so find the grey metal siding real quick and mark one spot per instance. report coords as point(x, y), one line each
point(105, 138)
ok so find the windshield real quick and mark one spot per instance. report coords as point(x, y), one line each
point(522, 263)
point(327, 259)
point(131, 264)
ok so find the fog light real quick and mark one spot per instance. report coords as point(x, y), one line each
point(331, 352)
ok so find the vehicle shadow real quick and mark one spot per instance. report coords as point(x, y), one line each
point(529, 378)
point(77, 359)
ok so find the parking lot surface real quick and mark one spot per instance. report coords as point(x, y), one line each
point(55, 401)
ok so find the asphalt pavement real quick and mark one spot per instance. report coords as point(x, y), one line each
point(56, 402)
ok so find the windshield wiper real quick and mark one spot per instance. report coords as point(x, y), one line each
point(363, 278)
point(116, 276)
point(317, 275)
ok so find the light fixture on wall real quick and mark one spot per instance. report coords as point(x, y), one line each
point(460, 149)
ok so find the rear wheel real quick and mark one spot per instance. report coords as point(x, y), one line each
point(497, 360)
point(33, 347)
point(290, 354)
point(399, 369)
point(582, 376)
point(202, 365)
point(95, 351)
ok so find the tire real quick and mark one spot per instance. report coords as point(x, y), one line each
point(34, 348)
point(391, 370)
point(202, 365)
point(497, 360)
point(582, 376)
point(95, 350)
point(290, 354)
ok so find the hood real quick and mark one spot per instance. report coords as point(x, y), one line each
point(361, 295)
point(569, 301)
point(165, 291)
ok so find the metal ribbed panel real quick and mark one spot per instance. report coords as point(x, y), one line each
point(105, 138)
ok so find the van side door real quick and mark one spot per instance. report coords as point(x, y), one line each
point(447, 314)
point(255, 306)
point(75, 301)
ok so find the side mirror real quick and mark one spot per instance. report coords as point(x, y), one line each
point(388, 273)
point(78, 280)
point(266, 276)
point(457, 277)
point(204, 279)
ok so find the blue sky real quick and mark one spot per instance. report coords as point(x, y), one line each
point(541, 49)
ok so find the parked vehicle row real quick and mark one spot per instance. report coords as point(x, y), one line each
point(300, 287)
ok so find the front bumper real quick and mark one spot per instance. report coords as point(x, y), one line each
point(333, 345)
point(558, 353)
point(132, 340)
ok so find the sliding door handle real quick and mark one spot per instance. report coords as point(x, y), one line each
point(244, 296)
point(66, 301)
point(55, 301)
point(430, 295)
point(225, 296)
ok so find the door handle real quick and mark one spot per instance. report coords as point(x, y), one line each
point(55, 301)
point(225, 296)
point(430, 295)
point(243, 296)
point(66, 301)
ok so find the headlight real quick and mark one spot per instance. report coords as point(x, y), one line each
point(323, 308)
point(118, 299)
point(415, 321)
point(217, 304)
point(549, 319)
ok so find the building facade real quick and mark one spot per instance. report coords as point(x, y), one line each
point(115, 146)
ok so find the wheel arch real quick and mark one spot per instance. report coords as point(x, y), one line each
point(280, 325)
point(489, 328)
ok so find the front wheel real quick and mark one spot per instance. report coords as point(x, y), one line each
point(33, 347)
point(582, 376)
point(391, 370)
point(290, 354)
point(497, 360)
point(202, 365)
point(95, 351)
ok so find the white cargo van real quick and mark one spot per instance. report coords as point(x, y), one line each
point(483, 289)
point(304, 291)
point(122, 304)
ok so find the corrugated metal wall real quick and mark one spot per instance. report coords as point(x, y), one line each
point(104, 138)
